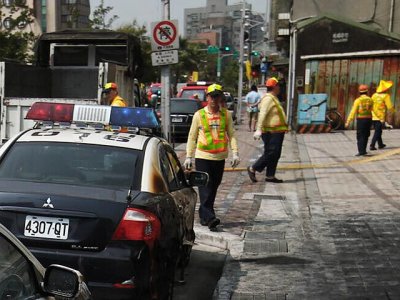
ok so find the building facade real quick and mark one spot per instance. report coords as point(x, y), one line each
point(48, 15)
point(226, 20)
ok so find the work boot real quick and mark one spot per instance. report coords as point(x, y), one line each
point(273, 179)
point(252, 174)
point(213, 223)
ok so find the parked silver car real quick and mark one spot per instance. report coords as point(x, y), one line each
point(23, 277)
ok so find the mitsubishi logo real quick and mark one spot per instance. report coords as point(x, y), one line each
point(48, 203)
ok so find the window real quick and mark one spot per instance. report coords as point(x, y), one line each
point(184, 106)
point(8, 3)
point(16, 276)
point(191, 93)
point(74, 164)
point(8, 23)
point(167, 171)
point(176, 166)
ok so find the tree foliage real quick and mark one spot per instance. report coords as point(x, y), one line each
point(100, 19)
point(15, 43)
point(151, 74)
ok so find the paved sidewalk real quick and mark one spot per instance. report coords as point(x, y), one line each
point(330, 232)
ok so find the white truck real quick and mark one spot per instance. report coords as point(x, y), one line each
point(70, 67)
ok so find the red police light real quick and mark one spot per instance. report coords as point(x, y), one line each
point(55, 112)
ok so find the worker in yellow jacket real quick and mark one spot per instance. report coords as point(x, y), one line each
point(362, 107)
point(382, 105)
point(209, 137)
point(112, 98)
point(271, 127)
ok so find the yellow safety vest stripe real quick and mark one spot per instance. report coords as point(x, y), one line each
point(213, 145)
point(283, 126)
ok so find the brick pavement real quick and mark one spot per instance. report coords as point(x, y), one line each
point(328, 233)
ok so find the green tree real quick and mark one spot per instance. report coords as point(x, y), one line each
point(230, 75)
point(192, 57)
point(100, 19)
point(151, 74)
point(15, 43)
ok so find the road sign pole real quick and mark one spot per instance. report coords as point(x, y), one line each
point(165, 84)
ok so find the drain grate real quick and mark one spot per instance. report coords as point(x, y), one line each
point(257, 296)
point(275, 235)
point(265, 242)
point(265, 246)
point(268, 197)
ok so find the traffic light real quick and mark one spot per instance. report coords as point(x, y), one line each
point(246, 36)
point(255, 53)
point(225, 48)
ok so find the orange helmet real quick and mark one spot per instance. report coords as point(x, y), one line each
point(363, 88)
point(271, 82)
point(110, 86)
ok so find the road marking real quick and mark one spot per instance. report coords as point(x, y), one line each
point(298, 166)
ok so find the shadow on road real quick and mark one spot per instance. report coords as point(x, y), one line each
point(202, 274)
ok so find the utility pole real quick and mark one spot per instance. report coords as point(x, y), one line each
point(165, 83)
point(241, 54)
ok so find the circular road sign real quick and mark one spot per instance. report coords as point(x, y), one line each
point(164, 33)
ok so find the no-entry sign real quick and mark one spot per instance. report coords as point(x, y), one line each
point(164, 35)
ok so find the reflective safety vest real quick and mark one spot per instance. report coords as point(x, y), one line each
point(365, 106)
point(282, 126)
point(118, 101)
point(214, 144)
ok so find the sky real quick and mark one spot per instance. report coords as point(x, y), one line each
point(148, 11)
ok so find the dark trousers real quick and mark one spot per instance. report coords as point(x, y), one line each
point(363, 130)
point(272, 152)
point(377, 137)
point(215, 170)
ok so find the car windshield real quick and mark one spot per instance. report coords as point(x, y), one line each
point(184, 106)
point(155, 89)
point(191, 93)
point(67, 163)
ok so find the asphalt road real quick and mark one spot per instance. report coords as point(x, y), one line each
point(202, 274)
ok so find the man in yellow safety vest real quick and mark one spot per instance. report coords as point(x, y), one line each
point(110, 91)
point(382, 104)
point(362, 107)
point(210, 134)
point(271, 127)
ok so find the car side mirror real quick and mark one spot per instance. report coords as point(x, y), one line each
point(197, 178)
point(62, 281)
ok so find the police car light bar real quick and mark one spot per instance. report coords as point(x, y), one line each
point(139, 117)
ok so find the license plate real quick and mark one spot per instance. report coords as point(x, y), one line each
point(48, 228)
point(177, 120)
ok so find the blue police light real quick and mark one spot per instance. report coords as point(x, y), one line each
point(134, 117)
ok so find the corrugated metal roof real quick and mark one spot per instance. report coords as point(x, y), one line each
point(368, 27)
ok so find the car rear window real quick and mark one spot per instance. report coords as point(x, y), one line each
point(184, 106)
point(67, 163)
point(191, 93)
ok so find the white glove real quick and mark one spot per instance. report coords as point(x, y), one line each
point(257, 135)
point(235, 160)
point(188, 163)
point(387, 125)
